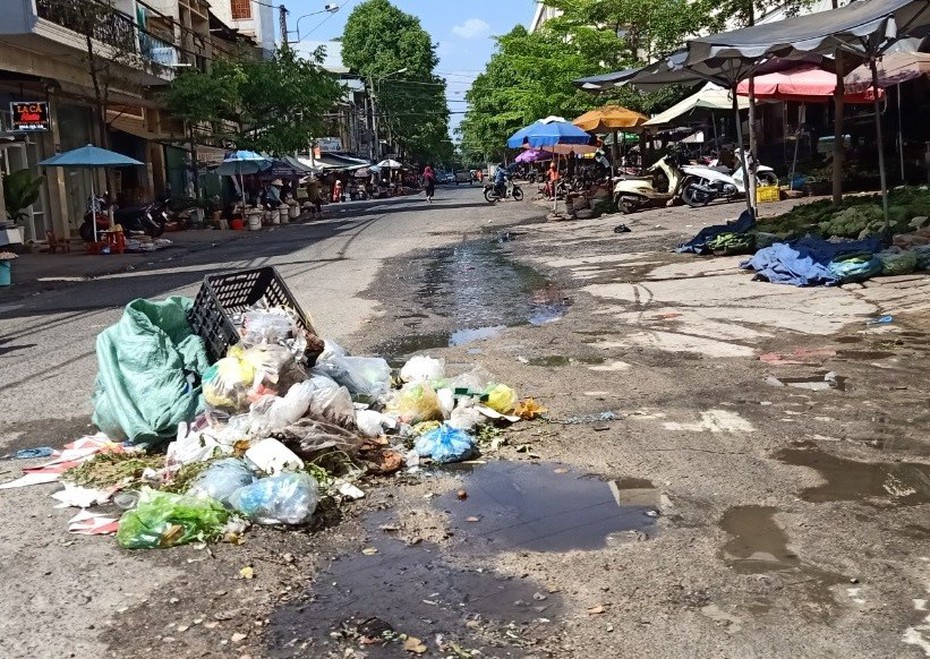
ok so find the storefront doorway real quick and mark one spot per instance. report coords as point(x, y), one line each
point(15, 156)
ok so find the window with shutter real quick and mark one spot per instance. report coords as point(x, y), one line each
point(241, 9)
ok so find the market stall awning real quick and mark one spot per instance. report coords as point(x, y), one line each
point(711, 97)
point(609, 118)
point(805, 85)
point(605, 81)
point(866, 26)
point(893, 69)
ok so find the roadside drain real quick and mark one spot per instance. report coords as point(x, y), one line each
point(903, 483)
point(546, 507)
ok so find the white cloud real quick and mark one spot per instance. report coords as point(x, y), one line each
point(473, 28)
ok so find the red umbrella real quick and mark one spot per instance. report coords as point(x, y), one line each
point(805, 85)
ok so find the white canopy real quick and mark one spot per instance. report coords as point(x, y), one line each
point(710, 97)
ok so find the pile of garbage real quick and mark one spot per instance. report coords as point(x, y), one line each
point(196, 452)
point(818, 245)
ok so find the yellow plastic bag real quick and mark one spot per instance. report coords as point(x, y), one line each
point(226, 384)
point(501, 398)
point(416, 403)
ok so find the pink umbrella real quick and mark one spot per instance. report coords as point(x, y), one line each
point(806, 85)
point(533, 155)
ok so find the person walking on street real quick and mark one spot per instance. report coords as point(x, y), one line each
point(429, 182)
point(315, 196)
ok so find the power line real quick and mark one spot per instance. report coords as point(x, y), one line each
point(344, 4)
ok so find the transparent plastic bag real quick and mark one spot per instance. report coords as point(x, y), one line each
point(221, 479)
point(415, 403)
point(269, 326)
point(309, 437)
point(162, 519)
point(365, 377)
point(330, 402)
point(276, 369)
point(446, 444)
point(289, 498)
point(271, 413)
point(226, 384)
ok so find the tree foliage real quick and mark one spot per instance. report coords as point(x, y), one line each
point(276, 106)
point(378, 41)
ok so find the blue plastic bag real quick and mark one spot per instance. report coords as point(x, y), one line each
point(446, 444)
point(288, 498)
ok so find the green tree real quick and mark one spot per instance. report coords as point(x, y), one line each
point(276, 106)
point(530, 75)
point(283, 101)
point(380, 40)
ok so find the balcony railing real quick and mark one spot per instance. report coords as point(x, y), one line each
point(112, 27)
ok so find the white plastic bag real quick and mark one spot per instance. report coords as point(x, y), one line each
point(370, 423)
point(423, 369)
point(272, 457)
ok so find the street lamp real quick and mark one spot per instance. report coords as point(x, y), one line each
point(328, 9)
point(374, 109)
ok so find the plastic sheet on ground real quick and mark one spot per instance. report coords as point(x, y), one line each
point(806, 262)
point(149, 366)
point(700, 244)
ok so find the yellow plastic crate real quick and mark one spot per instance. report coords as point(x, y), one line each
point(768, 193)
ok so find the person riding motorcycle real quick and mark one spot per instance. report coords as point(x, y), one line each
point(500, 180)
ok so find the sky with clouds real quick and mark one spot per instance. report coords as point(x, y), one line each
point(463, 32)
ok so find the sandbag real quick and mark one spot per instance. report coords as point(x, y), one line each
point(149, 372)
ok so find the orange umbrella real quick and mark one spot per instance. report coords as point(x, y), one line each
point(609, 118)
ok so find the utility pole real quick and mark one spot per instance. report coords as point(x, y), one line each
point(282, 20)
point(374, 119)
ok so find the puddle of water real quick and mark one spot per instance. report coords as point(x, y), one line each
point(412, 590)
point(480, 291)
point(545, 507)
point(760, 546)
point(864, 355)
point(463, 336)
point(904, 483)
point(562, 360)
point(816, 382)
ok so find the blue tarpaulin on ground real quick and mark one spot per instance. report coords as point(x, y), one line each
point(806, 261)
point(698, 244)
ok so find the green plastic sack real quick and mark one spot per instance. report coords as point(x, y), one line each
point(148, 380)
point(897, 262)
point(165, 520)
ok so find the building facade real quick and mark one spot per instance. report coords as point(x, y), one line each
point(542, 14)
point(137, 47)
point(250, 18)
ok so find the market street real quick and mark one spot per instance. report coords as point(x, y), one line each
point(48, 368)
point(786, 516)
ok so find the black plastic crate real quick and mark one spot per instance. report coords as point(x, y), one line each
point(221, 296)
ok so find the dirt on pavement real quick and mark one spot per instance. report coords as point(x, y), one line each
point(685, 498)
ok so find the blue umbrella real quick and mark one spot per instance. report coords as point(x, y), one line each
point(93, 157)
point(89, 156)
point(550, 131)
point(237, 163)
point(241, 163)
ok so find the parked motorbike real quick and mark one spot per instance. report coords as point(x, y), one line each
point(149, 219)
point(511, 191)
point(634, 193)
point(705, 183)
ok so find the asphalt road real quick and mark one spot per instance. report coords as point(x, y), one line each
point(47, 341)
point(56, 594)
